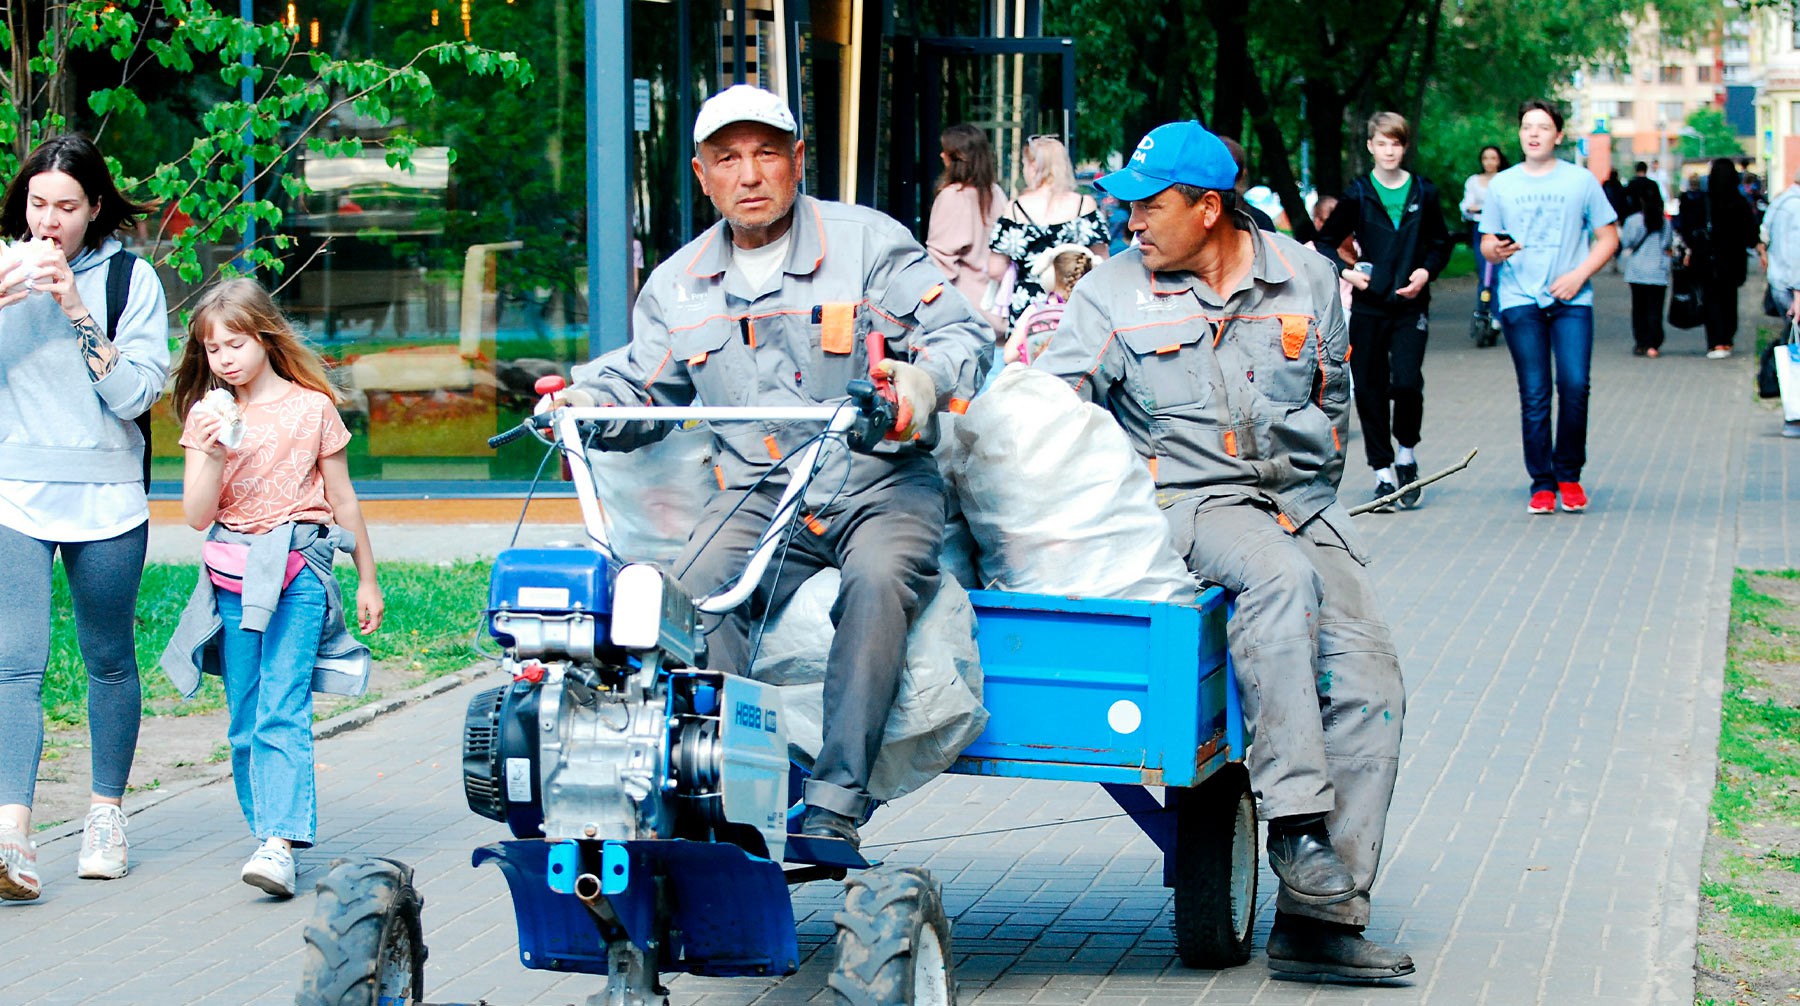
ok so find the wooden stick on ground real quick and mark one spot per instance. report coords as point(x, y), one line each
point(1382, 501)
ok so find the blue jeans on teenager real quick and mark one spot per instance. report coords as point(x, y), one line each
point(1551, 348)
point(268, 690)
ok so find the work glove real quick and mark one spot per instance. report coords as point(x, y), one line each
point(916, 393)
point(568, 396)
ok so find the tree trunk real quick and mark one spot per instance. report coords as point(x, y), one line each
point(61, 85)
point(1276, 163)
point(1325, 121)
point(18, 82)
point(1231, 65)
point(1427, 64)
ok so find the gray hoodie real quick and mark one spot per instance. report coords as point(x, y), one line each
point(57, 424)
point(341, 666)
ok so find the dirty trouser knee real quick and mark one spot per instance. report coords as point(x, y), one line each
point(1273, 637)
point(1364, 703)
point(1351, 672)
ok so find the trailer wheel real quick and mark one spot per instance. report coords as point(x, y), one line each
point(893, 941)
point(363, 944)
point(1215, 871)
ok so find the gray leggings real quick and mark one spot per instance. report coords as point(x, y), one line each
point(103, 579)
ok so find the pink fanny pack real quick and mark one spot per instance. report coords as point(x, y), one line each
point(225, 562)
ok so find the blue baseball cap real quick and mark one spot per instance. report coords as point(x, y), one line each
point(1181, 152)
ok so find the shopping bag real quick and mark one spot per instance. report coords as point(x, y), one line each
point(1767, 384)
point(1687, 304)
point(1787, 373)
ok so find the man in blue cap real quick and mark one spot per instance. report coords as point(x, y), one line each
point(1221, 352)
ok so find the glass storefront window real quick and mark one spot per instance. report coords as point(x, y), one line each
point(440, 294)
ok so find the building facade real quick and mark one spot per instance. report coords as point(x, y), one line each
point(1639, 111)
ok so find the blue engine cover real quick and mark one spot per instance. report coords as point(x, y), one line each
point(552, 581)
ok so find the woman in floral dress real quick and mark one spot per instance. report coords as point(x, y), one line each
point(1048, 213)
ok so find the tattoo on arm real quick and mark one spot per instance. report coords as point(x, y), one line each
point(100, 353)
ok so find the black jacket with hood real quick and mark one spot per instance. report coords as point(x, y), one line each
point(1421, 241)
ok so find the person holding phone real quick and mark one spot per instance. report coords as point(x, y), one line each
point(1548, 225)
point(1403, 244)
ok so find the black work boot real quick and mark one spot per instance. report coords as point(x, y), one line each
point(821, 823)
point(1301, 855)
point(1316, 948)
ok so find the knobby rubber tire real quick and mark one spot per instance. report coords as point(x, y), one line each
point(887, 913)
point(1215, 871)
point(363, 906)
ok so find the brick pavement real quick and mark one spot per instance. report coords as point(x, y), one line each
point(1563, 677)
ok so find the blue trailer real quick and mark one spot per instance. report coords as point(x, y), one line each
point(652, 804)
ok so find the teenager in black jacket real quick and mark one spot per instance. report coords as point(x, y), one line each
point(1403, 245)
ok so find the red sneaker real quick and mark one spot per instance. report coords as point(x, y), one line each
point(1542, 501)
point(1573, 499)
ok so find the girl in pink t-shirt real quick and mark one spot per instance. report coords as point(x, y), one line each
point(265, 448)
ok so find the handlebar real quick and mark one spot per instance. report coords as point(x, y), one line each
point(862, 422)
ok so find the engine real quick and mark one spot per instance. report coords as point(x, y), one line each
point(607, 730)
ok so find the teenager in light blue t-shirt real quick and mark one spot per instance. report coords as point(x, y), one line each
point(1536, 224)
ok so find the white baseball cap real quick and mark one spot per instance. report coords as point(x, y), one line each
point(743, 103)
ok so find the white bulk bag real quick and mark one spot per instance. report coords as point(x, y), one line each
point(1056, 498)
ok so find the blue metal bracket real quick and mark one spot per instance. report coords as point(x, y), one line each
point(556, 932)
point(562, 866)
point(1156, 820)
point(615, 869)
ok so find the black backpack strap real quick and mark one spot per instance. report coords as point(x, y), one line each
point(118, 291)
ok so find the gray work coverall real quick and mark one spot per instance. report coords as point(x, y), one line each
point(1239, 408)
point(700, 332)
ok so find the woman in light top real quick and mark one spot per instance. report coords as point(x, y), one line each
point(1493, 161)
point(72, 480)
point(963, 213)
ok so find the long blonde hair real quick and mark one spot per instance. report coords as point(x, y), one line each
point(1050, 160)
point(243, 306)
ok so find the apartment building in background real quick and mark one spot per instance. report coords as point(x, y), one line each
point(1776, 51)
point(1638, 111)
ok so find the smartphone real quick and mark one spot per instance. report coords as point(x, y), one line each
point(1504, 239)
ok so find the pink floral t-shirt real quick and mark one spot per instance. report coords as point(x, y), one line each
point(273, 478)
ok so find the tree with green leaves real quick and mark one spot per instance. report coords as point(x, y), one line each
point(1287, 76)
point(83, 64)
point(1708, 135)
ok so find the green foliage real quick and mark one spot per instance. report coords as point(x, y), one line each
point(221, 177)
point(1746, 895)
point(430, 629)
point(1713, 137)
point(1459, 71)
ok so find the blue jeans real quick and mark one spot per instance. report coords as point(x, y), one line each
point(1539, 338)
point(268, 690)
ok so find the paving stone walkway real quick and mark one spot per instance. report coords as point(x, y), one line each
point(1563, 679)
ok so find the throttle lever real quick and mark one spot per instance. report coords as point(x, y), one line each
point(876, 348)
point(874, 416)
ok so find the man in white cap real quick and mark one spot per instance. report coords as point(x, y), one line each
point(1220, 350)
point(772, 306)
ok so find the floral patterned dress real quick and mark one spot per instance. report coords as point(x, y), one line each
point(1023, 239)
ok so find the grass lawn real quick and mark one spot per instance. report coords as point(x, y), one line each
point(431, 628)
point(1750, 885)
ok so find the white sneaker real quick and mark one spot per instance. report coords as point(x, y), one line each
point(103, 845)
point(271, 869)
point(1720, 353)
point(18, 866)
